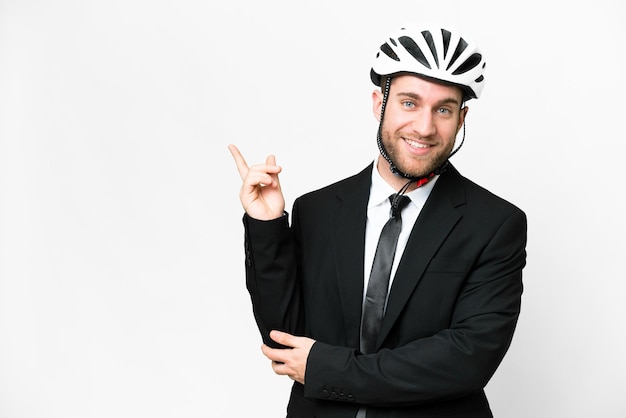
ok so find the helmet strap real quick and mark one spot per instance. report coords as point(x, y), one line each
point(462, 140)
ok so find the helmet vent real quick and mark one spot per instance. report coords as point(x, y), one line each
point(469, 63)
point(410, 45)
point(428, 37)
point(446, 41)
point(459, 49)
point(389, 52)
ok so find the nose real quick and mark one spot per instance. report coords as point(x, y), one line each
point(424, 124)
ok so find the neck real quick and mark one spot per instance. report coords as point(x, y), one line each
point(395, 181)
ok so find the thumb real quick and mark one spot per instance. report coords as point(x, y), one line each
point(282, 338)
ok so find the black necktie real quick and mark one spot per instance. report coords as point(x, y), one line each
point(378, 285)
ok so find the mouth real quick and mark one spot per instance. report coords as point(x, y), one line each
point(416, 144)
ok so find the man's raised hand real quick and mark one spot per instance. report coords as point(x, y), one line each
point(260, 194)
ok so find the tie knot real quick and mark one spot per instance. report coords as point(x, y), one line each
point(398, 202)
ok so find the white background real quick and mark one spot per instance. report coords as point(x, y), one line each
point(121, 245)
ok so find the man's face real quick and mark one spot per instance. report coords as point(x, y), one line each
point(420, 123)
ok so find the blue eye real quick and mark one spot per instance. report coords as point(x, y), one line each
point(444, 111)
point(408, 104)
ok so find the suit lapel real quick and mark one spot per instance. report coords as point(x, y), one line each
point(436, 220)
point(349, 240)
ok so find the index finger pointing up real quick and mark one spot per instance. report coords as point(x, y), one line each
point(242, 166)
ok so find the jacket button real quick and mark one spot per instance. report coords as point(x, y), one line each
point(325, 393)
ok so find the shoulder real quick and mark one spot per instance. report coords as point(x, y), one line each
point(340, 200)
point(340, 189)
point(480, 213)
point(462, 190)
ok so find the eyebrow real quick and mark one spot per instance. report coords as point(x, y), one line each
point(416, 96)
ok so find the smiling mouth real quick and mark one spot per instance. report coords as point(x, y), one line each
point(415, 144)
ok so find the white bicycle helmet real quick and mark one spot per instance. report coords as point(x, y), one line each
point(435, 53)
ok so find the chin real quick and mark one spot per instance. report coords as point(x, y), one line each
point(418, 171)
point(425, 168)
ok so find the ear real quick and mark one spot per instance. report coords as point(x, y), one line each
point(377, 102)
point(462, 115)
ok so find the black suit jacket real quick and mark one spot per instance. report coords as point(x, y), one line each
point(452, 309)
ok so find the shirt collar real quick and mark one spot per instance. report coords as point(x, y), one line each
point(381, 190)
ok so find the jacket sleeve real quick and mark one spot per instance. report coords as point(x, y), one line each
point(452, 363)
point(271, 277)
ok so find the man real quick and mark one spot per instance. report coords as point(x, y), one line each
point(428, 342)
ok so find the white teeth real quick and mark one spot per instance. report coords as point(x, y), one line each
point(415, 144)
